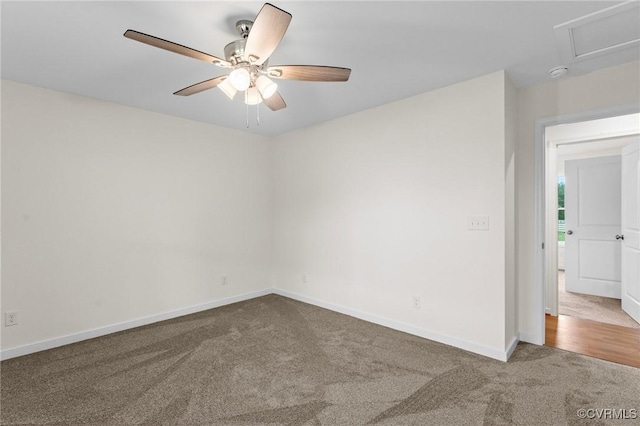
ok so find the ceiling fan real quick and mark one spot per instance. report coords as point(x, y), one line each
point(248, 59)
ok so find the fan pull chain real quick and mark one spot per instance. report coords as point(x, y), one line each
point(246, 97)
point(247, 116)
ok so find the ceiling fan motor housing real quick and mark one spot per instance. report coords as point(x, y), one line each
point(234, 51)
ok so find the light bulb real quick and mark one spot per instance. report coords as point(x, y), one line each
point(240, 79)
point(227, 88)
point(252, 96)
point(266, 87)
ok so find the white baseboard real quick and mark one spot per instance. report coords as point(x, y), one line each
point(97, 332)
point(501, 355)
point(400, 326)
point(531, 338)
point(512, 346)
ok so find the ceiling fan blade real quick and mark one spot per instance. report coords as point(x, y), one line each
point(201, 87)
point(309, 72)
point(174, 47)
point(275, 102)
point(266, 33)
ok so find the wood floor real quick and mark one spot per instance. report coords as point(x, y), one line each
point(605, 341)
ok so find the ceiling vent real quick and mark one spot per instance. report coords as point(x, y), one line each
point(600, 33)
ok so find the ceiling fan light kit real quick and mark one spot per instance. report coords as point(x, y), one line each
point(266, 87)
point(249, 57)
point(240, 79)
point(227, 88)
point(252, 96)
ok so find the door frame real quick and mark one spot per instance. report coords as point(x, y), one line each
point(541, 266)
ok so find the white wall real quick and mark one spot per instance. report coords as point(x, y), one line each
point(110, 213)
point(595, 91)
point(372, 208)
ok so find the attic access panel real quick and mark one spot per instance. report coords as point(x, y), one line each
point(600, 33)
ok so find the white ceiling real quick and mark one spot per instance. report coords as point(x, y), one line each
point(395, 49)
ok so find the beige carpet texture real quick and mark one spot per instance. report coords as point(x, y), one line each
point(273, 360)
point(594, 308)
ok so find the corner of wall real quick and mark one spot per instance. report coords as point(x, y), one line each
point(511, 126)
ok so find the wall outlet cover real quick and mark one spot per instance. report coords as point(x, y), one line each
point(10, 318)
point(416, 302)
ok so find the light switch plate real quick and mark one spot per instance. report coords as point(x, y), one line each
point(478, 223)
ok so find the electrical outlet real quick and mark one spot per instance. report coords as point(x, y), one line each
point(10, 318)
point(225, 280)
point(478, 223)
point(416, 302)
point(304, 278)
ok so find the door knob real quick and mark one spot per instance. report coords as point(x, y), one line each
point(619, 237)
point(569, 232)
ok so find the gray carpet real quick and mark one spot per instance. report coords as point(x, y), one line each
point(594, 308)
point(278, 361)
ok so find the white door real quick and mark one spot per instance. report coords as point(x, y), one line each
point(631, 231)
point(593, 220)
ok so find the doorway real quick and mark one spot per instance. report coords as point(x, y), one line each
point(591, 299)
point(595, 294)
